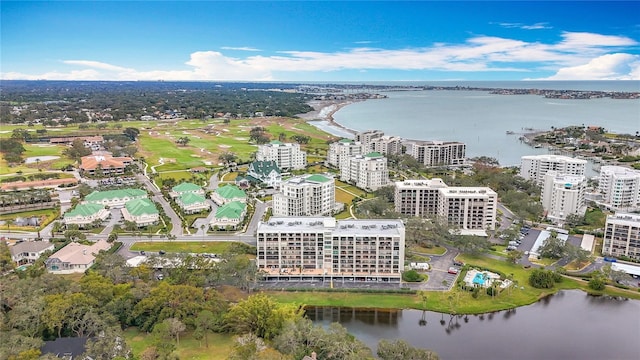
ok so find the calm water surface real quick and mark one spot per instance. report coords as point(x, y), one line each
point(568, 325)
point(481, 119)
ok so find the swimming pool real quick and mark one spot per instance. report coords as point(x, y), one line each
point(479, 279)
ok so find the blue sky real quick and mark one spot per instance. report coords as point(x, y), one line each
point(320, 41)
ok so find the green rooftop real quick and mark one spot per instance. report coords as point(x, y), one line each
point(317, 178)
point(230, 192)
point(84, 210)
point(191, 198)
point(185, 187)
point(276, 142)
point(232, 210)
point(115, 194)
point(141, 207)
point(346, 141)
point(264, 168)
point(374, 154)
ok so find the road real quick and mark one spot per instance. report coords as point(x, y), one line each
point(157, 197)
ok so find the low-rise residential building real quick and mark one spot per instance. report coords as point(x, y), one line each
point(622, 235)
point(229, 215)
point(115, 198)
point(287, 156)
point(184, 188)
point(143, 212)
point(436, 153)
point(265, 172)
point(620, 187)
point(104, 163)
point(534, 167)
point(192, 203)
point(472, 210)
point(228, 193)
point(341, 150)
point(307, 195)
point(321, 248)
point(84, 215)
point(75, 257)
point(367, 172)
point(563, 195)
point(27, 252)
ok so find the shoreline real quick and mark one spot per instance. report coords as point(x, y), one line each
point(323, 110)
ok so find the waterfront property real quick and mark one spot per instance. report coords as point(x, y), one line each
point(75, 257)
point(228, 193)
point(27, 252)
point(341, 150)
point(306, 195)
point(143, 212)
point(369, 172)
point(436, 153)
point(622, 235)
point(563, 195)
point(323, 249)
point(534, 167)
point(620, 187)
point(472, 210)
point(84, 215)
point(229, 215)
point(484, 279)
point(377, 141)
point(115, 198)
point(287, 156)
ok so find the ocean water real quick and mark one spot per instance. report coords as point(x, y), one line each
point(481, 119)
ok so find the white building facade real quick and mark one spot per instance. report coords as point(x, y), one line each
point(418, 197)
point(436, 153)
point(622, 235)
point(563, 195)
point(321, 248)
point(287, 156)
point(534, 167)
point(307, 195)
point(340, 151)
point(620, 187)
point(368, 172)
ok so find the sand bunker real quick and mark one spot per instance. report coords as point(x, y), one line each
point(36, 159)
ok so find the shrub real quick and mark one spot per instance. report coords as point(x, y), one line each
point(597, 283)
point(411, 276)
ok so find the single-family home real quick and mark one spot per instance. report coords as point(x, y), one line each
point(27, 252)
point(230, 214)
point(115, 198)
point(185, 187)
point(143, 212)
point(75, 257)
point(192, 203)
point(265, 172)
point(84, 215)
point(228, 193)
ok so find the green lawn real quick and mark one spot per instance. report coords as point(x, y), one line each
point(220, 345)
point(214, 247)
point(436, 250)
point(46, 217)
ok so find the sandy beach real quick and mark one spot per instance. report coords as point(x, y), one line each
point(323, 110)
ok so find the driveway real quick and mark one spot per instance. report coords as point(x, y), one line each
point(440, 265)
point(115, 218)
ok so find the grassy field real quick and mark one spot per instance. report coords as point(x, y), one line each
point(436, 250)
point(220, 345)
point(214, 247)
point(46, 216)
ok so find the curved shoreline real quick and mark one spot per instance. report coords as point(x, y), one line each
point(324, 111)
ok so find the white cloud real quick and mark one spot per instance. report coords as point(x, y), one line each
point(576, 55)
point(241, 48)
point(606, 67)
point(536, 26)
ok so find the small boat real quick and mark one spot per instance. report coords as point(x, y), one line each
point(509, 132)
point(538, 146)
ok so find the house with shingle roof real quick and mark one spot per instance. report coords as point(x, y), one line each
point(115, 198)
point(75, 257)
point(27, 252)
point(141, 211)
point(192, 203)
point(230, 214)
point(228, 193)
point(185, 187)
point(85, 214)
point(265, 172)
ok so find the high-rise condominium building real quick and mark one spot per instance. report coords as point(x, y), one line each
point(340, 151)
point(366, 172)
point(563, 195)
point(622, 235)
point(307, 195)
point(287, 156)
point(620, 187)
point(436, 153)
point(534, 167)
point(418, 197)
point(322, 248)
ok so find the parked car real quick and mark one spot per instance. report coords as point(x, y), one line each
point(161, 252)
point(452, 270)
point(142, 252)
point(160, 276)
point(458, 263)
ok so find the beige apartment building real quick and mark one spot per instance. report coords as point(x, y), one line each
point(622, 235)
